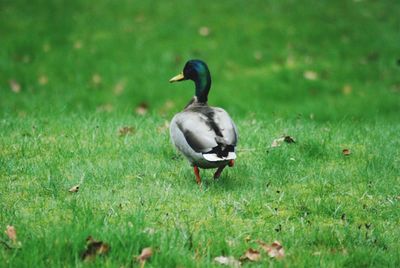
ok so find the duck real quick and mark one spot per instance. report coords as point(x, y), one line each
point(205, 135)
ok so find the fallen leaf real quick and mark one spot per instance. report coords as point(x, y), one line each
point(46, 47)
point(26, 59)
point(43, 80)
point(230, 261)
point(149, 230)
point(11, 233)
point(21, 114)
point(96, 79)
point(142, 108)
point(164, 127)
point(94, 248)
point(288, 139)
point(119, 87)
point(346, 152)
point(140, 17)
point(290, 63)
point(15, 86)
point(257, 55)
point(277, 142)
point(247, 238)
point(347, 89)
point(105, 108)
point(251, 255)
point(204, 31)
point(74, 189)
point(310, 75)
point(145, 255)
point(169, 104)
point(275, 250)
point(340, 250)
point(78, 44)
point(230, 242)
point(178, 59)
point(123, 131)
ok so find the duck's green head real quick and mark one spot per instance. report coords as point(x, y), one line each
point(197, 71)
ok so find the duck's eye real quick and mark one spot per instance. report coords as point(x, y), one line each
point(189, 72)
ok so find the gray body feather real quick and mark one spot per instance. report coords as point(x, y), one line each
point(205, 135)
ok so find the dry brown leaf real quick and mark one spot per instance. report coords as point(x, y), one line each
point(78, 44)
point(11, 233)
point(119, 87)
point(258, 55)
point(145, 255)
point(164, 127)
point(229, 261)
point(251, 255)
point(74, 189)
point(290, 63)
point(26, 59)
point(289, 139)
point(168, 105)
point(178, 59)
point(96, 79)
point(310, 75)
point(346, 152)
point(105, 108)
point(142, 108)
point(247, 238)
point(204, 31)
point(43, 80)
point(277, 142)
point(347, 89)
point(46, 47)
point(94, 248)
point(140, 17)
point(149, 230)
point(15, 86)
point(123, 131)
point(275, 250)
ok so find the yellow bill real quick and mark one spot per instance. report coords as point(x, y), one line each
point(177, 78)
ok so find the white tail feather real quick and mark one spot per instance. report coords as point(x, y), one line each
point(214, 158)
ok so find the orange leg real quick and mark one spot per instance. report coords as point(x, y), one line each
point(197, 174)
point(231, 163)
point(217, 173)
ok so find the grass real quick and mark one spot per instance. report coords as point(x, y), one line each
point(82, 69)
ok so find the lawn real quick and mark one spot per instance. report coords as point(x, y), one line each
point(85, 100)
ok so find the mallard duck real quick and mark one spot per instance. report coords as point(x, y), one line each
point(206, 136)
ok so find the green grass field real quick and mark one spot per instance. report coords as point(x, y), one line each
point(72, 74)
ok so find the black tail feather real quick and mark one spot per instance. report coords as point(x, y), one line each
point(221, 150)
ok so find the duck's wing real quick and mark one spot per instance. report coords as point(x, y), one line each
point(196, 132)
point(209, 131)
point(226, 125)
